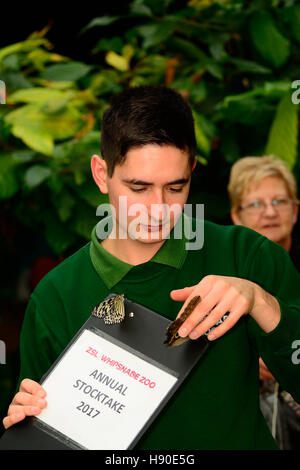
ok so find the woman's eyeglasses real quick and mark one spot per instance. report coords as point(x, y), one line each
point(258, 207)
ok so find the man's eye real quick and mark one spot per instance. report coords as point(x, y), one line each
point(138, 190)
point(175, 190)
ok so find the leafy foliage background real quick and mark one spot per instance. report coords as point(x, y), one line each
point(234, 60)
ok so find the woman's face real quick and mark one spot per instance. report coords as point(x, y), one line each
point(273, 220)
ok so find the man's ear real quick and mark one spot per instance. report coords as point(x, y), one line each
point(235, 217)
point(99, 171)
point(194, 164)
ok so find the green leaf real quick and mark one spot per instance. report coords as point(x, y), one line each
point(23, 156)
point(35, 175)
point(283, 135)
point(105, 82)
point(270, 90)
point(156, 33)
point(249, 66)
point(11, 62)
point(151, 67)
point(215, 69)
point(100, 21)
point(188, 49)
point(158, 7)
point(55, 106)
point(24, 46)
point(60, 85)
point(203, 142)
point(39, 141)
point(276, 89)
point(110, 44)
point(66, 72)
point(293, 17)
point(15, 80)
point(201, 160)
point(38, 130)
point(268, 40)
point(117, 61)
point(248, 110)
point(63, 125)
point(78, 148)
point(39, 58)
point(8, 180)
point(34, 95)
point(138, 7)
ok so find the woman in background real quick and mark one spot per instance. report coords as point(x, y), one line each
point(263, 196)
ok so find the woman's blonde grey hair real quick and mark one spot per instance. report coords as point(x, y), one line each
point(249, 171)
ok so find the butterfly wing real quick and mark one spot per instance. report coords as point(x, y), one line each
point(111, 310)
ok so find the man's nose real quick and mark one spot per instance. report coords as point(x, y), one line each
point(158, 208)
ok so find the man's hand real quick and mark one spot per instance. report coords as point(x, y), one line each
point(223, 294)
point(29, 401)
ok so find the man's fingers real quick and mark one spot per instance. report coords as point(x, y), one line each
point(235, 314)
point(216, 307)
point(180, 295)
point(28, 410)
point(10, 420)
point(29, 401)
point(24, 398)
point(30, 386)
point(195, 323)
point(17, 413)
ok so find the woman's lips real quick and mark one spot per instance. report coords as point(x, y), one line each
point(271, 226)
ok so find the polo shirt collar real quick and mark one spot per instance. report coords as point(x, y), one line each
point(112, 270)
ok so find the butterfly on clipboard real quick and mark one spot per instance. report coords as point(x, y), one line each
point(111, 310)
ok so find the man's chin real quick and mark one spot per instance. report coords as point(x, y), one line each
point(150, 235)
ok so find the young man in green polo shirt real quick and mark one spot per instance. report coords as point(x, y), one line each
point(148, 148)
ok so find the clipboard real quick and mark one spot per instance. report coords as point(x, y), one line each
point(128, 363)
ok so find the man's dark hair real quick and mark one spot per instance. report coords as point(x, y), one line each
point(146, 115)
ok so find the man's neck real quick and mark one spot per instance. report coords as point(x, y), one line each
point(131, 251)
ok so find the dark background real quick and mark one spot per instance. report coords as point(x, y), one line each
point(18, 21)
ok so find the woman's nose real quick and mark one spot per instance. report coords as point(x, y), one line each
point(270, 209)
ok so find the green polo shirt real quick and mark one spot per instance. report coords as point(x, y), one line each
point(217, 407)
point(112, 270)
